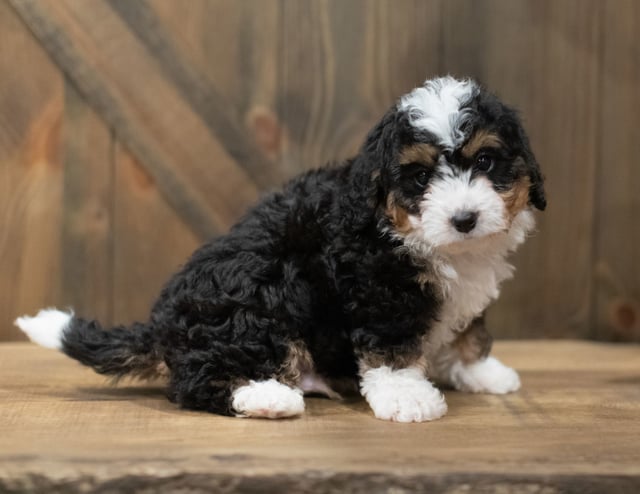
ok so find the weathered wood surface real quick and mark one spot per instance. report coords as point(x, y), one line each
point(217, 101)
point(618, 200)
point(86, 244)
point(543, 58)
point(573, 428)
point(31, 173)
point(147, 103)
point(140, 212)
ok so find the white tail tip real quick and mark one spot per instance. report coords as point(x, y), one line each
point(46, 328)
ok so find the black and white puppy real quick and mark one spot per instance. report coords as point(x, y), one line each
point(375, 272)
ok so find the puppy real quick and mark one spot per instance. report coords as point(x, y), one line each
point(375, 272)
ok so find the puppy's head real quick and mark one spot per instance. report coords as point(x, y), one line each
point(453, 166)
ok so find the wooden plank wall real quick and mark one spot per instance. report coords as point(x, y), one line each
point(131, 130)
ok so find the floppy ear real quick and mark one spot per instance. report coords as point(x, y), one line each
point(376, 154)
point(381, 141)
point(537, 195)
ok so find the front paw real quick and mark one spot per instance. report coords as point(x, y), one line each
point(402, 395)
point(485, 376)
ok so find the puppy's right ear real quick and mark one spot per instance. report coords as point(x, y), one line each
point(382, 141)
point(376, 154)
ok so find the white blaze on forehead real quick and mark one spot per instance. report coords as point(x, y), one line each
point(437, 108)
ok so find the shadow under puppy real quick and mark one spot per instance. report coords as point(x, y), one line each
point(375, 271)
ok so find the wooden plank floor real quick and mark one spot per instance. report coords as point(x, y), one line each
point(574, 427)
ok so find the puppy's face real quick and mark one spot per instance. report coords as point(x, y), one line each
point(457, 167)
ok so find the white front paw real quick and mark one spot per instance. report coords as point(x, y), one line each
point(403, 395)
point(485, 376)
point(267, 399)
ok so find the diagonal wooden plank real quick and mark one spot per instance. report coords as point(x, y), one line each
point(238, 47)
point(205, 100)
point(140, 268)
point(114, 72)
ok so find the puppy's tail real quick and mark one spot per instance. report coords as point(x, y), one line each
point(116, 352)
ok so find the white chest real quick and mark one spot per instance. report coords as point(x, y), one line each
point(469, 286)
point(471, 279)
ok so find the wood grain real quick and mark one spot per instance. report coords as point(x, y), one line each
point(150, 240)
point(87, 216)
point(571, 429)
point(196, 89)
point(394, 64)
point(236, 46)
point(31, 174)
point(210, 102)
point(343, 65)
point(214, 36)
point(543, 58)
point(116, 74)
point(617, 300)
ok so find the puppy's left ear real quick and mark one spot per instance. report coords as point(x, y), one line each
point(537, 195)
point(381, 142)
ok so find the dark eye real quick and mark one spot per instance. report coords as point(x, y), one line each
point(421, 178)
point(484, 163)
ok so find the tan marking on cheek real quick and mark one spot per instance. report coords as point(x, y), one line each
point(419, 153)
point(517, 197)
point(481, 139)
point(398, 215)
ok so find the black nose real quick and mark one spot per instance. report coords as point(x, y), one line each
point(465, 221)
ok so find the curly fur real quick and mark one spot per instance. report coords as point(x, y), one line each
point(343, 266)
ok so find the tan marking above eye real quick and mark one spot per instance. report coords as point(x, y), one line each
point(481, 139)
point(426, 154)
